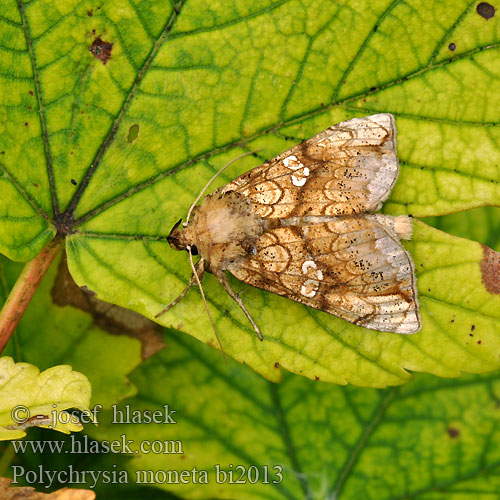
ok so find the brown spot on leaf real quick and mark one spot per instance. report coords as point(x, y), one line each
point(472, 328)
point(453, 432)
point(479, 342)
point(26, 124)
point(490, 270)
point(90, 12)
point(31, 92)
point(112, 318)
point(101, 49)
point(276, 365)
point(452, 46)
point(486, 10)
point(316, 377)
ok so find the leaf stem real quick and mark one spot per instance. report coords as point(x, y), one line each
point(24, 289)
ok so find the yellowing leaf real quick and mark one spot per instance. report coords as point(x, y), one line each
point(29, 398)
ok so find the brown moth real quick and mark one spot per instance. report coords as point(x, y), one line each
point(302, 225)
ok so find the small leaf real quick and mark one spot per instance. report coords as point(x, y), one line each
point(29, 398)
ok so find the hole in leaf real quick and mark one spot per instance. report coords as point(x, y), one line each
point(486, 10)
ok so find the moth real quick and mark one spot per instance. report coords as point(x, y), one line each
point(302, 225)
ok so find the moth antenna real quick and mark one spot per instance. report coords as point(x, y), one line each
point(177, 299)
point(202, 192)
point(196, 277)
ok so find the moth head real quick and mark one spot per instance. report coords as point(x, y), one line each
point(177, 239)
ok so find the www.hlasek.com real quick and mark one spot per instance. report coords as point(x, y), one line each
point(84, 444)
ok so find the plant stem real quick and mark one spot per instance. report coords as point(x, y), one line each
point(23, 291)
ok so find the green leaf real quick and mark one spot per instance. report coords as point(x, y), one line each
point(430, 439)
point(111, 151)
point(29, 398)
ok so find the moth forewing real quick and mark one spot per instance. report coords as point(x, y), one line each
point(301, 225)
point(348, 168)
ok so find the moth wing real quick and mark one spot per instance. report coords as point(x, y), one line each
point(347, 169)
point(352, 267)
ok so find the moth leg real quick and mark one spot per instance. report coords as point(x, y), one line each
point(225, 283)
point(200, 269)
